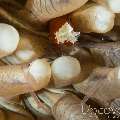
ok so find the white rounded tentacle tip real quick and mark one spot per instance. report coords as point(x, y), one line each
point(114, 5)
point(104, 21)
point(9, 38)
point(65, 68)
point(40, 69)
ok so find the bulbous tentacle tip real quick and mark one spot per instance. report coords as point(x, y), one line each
point(9, 39)
point(65, 70)
point(41, 71)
